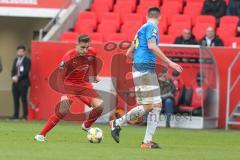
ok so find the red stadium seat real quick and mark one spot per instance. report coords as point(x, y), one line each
point(106, 5)
point(229, 20)
point(87, 16)
point(234, 42)
point(116, 37)
point(162, 27)
point(172, 5)
point(225, 32)
point(199, 32)
point(99, 14)
point(86, 27)
point(131, 17)
point(128, 5)
point(181, 19)
point(193, 98)
point(167, 39)
point(144, 6)
point(108, 27)
point(152, 2)
point(177, 29)
point(69, 36)
point(130, 29)
point(110, 16)
point(96, 37)
point(123, 10)
point(164, 20)
point(181, 1)
point(206, 21)
point(193, 9)
point(169, 12)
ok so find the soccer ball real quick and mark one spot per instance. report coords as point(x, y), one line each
point(95, 135)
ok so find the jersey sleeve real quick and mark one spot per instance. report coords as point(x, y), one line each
point(66, 57)
point(151, 32)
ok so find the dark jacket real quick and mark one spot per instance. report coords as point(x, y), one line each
point(23, 78)
point(216, 9)
point(234, 8)
point(191, 41)
point(215, 42)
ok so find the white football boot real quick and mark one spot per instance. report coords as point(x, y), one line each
point(84, 128)
point(39, 138)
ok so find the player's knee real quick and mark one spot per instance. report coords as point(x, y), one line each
point(64, 105)
point(98, 103)
point(64, 108)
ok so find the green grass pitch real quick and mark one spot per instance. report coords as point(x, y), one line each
point(68, 142)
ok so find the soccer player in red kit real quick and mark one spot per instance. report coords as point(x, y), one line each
point(75, 66)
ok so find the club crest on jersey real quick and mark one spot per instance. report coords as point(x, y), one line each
point(62, 65)
point(154, 32)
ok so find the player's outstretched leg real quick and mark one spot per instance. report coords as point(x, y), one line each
point(97, 105)
point(152, 124)
point(134, 113)
point(54, 119)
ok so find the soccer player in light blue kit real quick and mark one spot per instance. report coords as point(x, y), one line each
point(145, 50)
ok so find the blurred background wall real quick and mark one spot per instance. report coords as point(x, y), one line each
point(14, 31)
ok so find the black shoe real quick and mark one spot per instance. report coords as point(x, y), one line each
point(115, 130)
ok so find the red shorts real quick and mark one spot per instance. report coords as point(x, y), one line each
point(86, 96)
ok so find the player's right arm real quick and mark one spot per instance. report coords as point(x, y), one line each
point(157, 51)
point(152, 36)
point(65, 65)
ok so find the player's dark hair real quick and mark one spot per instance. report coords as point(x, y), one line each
point(21, 47)
point(153, 12)
point(84, 38)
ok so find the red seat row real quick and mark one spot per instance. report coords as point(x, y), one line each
point(172, 23)
point(118, 37)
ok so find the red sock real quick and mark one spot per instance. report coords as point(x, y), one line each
point(52, 121)
point(93, 116)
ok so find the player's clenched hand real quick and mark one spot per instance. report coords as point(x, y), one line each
point(176, 67)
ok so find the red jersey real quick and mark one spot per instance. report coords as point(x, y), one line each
point(77, 67)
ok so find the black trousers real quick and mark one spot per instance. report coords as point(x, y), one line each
point(20, 91)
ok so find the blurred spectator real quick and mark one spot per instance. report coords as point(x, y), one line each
point(0, 65)
point(234, 8)
point(20, 77)
point(216, 8)
point(211, 39)
point(167, 94)
point(186, 38)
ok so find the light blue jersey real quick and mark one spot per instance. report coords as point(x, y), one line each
point(144, 60)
